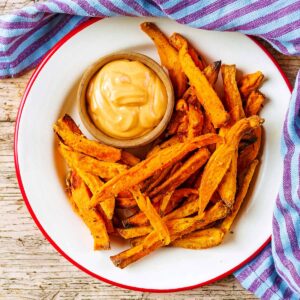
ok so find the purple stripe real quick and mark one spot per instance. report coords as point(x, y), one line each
point(261, 258)
point(279, 45)
point(267, 273)
point(268, 294)
point(43, 7)
point(289, 226)
point(276, 284)
point(262, 278)
point(288, 293)
point(281, 255)
point(21, 13)
point(110, 6)
point(244, 274)
point(283, 30)
point(179, 6)
point(24, 37)
point(255, 285)
point(18, 25)
point(204, 11)
point(237, 13)
point(64, 7)
point(38, 43)
point(137, 7)
point(154, 4)
point(91, 11)
point(287, 172)
point(296, 116)
point(268, 18)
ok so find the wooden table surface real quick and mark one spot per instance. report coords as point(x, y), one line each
point(30, 268)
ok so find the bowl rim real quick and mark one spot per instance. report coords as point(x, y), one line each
point(82, 101)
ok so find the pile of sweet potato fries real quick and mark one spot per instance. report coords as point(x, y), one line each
point(189, 188)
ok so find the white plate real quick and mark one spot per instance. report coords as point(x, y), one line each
point(40, 170)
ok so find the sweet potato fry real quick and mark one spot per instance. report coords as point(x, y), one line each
point(155, 220)
point(175, 225)
point(227, 187)
point(68, 131)
point(168, 56)
point(93, 182)
point(226, 224)
point(233, 99)
point(171, 141)
point(195, 121)
point(91, 165)
point(147, 167)
point(125, 202)
point(93, 220)
point(177, 41)
point(133, 232)
point(165, 201)
point(194, 163)
point(177, 228)
point(201, 239)
point(129, 159)
point(250, 152)
point(161, 175)
point(221, 159)
point(211, 72)
point(254, 103)
point(250, 82)
point(140, 219)
point(205, 93)
point(184, 210)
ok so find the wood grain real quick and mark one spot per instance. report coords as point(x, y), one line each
point(30, 268)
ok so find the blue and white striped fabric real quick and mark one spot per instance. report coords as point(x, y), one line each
point(26, 36)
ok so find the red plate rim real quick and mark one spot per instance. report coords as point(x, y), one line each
point(18, 174)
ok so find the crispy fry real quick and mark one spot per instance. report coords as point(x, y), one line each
point(91, 165)
point(233, 99)
point(211, 72)
point(133, 232)
point(177, 228)
point(129, 159)
point(147, 167)
point(221, 159)
point(93, 182)
point(165, 201)
point(250, 152)
point(254, 103)
point(205, 93)
point(93, 220)
point(227, 187)
point(161, 175)
point(226, 224)
point(155, 220)
point(201, 239)
point(195, 121)
point(177, 41)
point(125, 202)
point(171, 141)
point(185, 210)
point(176, 120)
point(140, 219)
point(194, 163)
point(168, 56)
point(68, 131)
point(250, 82)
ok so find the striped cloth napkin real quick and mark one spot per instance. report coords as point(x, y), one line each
point(26, 35)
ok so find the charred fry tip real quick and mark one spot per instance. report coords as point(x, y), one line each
point(217, 64)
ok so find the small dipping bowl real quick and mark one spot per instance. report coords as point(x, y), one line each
point(87, 120)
